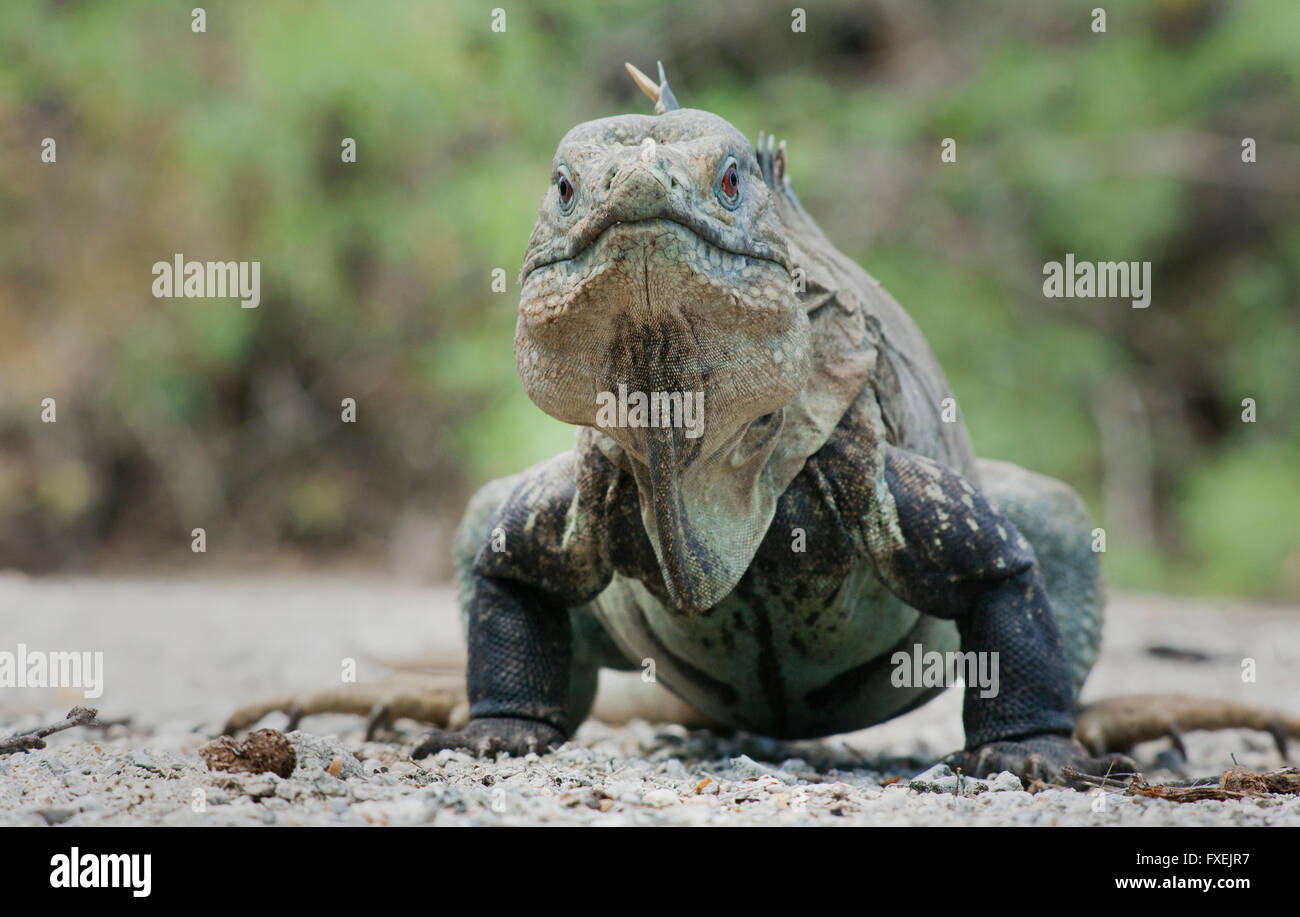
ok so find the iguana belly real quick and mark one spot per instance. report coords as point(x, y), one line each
point(782, 655)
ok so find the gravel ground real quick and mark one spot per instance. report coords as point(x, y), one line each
point(179, 655)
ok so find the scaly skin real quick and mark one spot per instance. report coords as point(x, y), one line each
point(826, 518)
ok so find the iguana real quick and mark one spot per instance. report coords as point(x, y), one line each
point(820, 515)
point(826, 518)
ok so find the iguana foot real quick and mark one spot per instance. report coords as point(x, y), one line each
point(1041, 757)
point(1118, 723)
point(438, 699)
point(486, 737)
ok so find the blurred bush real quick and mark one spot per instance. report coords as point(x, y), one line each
point(174, 414)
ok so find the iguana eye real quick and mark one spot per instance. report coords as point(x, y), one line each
point(564, 187)
point(729, 183)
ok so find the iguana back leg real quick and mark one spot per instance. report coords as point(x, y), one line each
point(1119, 723)
point(425, 696)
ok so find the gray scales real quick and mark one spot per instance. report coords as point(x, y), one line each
point(825, 516)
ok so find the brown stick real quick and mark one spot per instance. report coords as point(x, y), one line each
point(25, 741)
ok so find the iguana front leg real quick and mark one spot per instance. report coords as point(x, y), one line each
point(943, 548)
point(520, 650)
point(539, 555)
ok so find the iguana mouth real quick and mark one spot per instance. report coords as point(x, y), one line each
point(707, 235)
point(687, 270)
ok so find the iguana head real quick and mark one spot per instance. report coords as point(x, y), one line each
point(658, 266)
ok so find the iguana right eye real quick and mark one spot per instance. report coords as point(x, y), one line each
point(564, 187)
point(728, 183)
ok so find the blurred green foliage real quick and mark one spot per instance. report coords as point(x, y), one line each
point(376, 275)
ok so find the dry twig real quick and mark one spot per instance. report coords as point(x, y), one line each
point(26, 741)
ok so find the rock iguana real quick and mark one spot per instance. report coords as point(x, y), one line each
point(774, 551)
point(825, 518)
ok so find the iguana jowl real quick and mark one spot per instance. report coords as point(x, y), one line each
point(827, 518)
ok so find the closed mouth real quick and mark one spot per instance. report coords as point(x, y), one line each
point(708, 238)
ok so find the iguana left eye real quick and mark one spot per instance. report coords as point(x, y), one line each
point(729, 183)
point(564, 188)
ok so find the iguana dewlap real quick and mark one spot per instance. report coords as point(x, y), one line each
point(821, 518)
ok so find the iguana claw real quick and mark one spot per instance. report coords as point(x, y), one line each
point(1038, 758)
point(487, 737)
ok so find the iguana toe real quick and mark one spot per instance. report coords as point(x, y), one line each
point(1038, 758)
point(490, 736)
